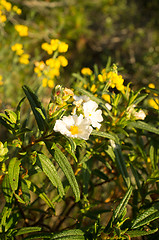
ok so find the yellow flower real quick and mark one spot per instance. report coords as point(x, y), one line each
point(151, 85)
point(50, 83)
point(93, 88)
point(106, 97)
point(47, 47)
point(63, 61)
point(17, 10)
point(18, 48)
point(63, 47)
point(1, 82)
point(3, 18)
point(6, 5)
point(53, 63)
point(22, 30)
point(86, 71)
point(100, 78)
point(24, 59)
point(44, 82)
point(154, 103)
point(54, 44)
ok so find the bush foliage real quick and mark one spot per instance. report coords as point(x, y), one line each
point(79, 143)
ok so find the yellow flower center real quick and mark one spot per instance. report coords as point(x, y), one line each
point(74, 130)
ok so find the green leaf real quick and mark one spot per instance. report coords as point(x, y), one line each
point(13, 173)
point(121, 165)
point(105, 135)
point(25, 191)
point(67, 169)
point(37, 108)
point(121, 207)
point(100, 174)
point(18, 111)
point(139, 233)
point(39, 192)
point(75, 234)
point(144, 126)
point(49, 169)
point(26, 230)
point(146, 217)
point(8, 194)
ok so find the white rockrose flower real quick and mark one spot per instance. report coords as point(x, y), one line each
point(140, 115)
point(79, 100)
point(91, 113)
point(74, 126)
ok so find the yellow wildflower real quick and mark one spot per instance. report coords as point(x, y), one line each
point(17, 10)
point(24, 59)
point(154, 103)
point(53, 72)
point(47, 47)
point(63, 61)
point(18, 48)
point(63, 47)
point(86, 71)
point(106, 97)
point(151, 85)
point(22, 30)
point(1, 82)
point(50, 83)
point(44, 82)
point(54, 44)
point(93, 88)
point(6, 5)
point(53, 63)
point(3, 18)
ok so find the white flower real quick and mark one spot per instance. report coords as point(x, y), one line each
point(140, 115)
point(83, 97)
point(91, 113)
point(74, 126)
point(108, 106)
point(80, 99)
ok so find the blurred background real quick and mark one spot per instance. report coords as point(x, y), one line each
point(125, 30)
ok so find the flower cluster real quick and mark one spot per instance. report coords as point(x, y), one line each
point(84, 117)
point(112, 78)
point(55, 44)
point(49, 70)
point(18, 49)
point(22, 30)
point(5, 8)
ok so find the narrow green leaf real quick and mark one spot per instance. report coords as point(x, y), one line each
point(139, 233)
point(18, 111)
point(121, 207)
point(121, 165)
point(67, 169)
point(8, 194)
point(105, 135)
point(38, 236)
point(144, 126)
point(26, 230)
point(86, 157)
point(100, 174)
point(13, 173)
point(35, 106)
point(41, 194)
point(75, 234)
point(6, 123)
point(135, 173)
point(25, 191)
point(49, 169)
point(146, 217)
